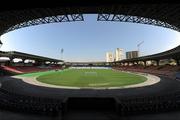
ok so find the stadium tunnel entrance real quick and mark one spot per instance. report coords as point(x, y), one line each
point(91, 103)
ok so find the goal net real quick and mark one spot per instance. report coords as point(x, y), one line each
point(90, 73)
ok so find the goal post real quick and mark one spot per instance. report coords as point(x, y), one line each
point(90, 73)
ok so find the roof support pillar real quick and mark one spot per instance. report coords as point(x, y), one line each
point(157, 62)
point(177, 62)
point(11, 60)
point(144, 63)
point(23, 60)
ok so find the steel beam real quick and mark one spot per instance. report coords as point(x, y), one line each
point(134, 19)
point(46, 20)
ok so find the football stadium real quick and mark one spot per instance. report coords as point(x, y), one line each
point(134, 88)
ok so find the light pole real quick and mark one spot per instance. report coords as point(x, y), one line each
point(62, 50)
point(138, 45)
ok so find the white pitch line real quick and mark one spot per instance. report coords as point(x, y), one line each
point(151, 80)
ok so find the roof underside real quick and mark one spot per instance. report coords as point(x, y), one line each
point(164, 14)
point(167, 13)
point(15, 54)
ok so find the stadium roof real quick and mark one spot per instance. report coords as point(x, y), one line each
point(151, 12)
point(164, 14)
point(14, 54)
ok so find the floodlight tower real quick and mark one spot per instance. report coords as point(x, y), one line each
point(62, 50)
point(138, 45)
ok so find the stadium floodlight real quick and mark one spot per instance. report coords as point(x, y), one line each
point(138, 45)
point(62, 50)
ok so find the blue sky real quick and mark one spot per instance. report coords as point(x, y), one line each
point(89, 40)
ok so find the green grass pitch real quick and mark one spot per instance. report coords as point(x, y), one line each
point(89, 78)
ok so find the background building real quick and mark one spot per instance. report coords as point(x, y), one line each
point(132, 54)
point(109, 57)
point(118, 54)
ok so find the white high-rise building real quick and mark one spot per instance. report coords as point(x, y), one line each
point(109, 57)
point(118, 54)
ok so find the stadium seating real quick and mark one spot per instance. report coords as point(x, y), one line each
point(20, 103)
point(149, 104)
point(166, 70)
point(131, 105)
point(28, 69)
point(126, 106)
